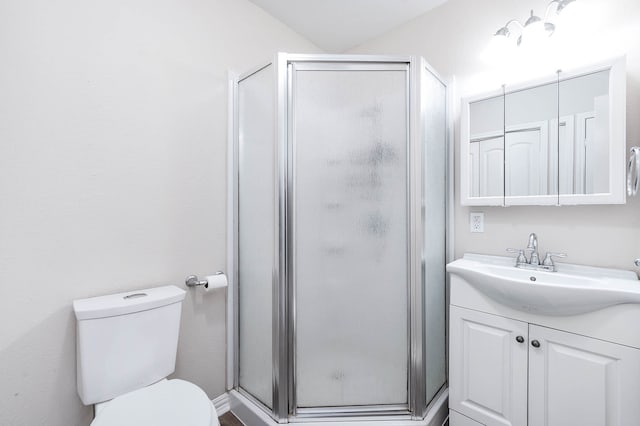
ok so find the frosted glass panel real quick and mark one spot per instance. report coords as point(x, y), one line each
point(256, 118)
point(350, 224)
point(435, 162)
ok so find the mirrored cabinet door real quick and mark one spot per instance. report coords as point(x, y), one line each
point(485, 159)
point(531, 145)
point(584, 116)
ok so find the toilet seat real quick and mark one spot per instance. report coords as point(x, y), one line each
point(166, 403)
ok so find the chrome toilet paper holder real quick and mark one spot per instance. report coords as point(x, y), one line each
point(193, 281)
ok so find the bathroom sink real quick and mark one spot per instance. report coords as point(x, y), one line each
point(572, 290)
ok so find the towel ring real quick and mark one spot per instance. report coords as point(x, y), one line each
point(633, 171)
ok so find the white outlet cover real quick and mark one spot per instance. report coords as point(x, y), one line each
point(476, 222)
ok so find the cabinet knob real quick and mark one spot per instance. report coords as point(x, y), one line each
point(535, 343)
point(520, 339)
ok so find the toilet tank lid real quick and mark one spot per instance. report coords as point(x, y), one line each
point(127, 303)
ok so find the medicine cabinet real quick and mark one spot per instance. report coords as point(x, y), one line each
point(559, 140)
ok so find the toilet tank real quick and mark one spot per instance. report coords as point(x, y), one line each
point(126, 341)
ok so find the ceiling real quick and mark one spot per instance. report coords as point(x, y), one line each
point(338, 25)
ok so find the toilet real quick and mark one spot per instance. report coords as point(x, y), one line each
point(126, 347)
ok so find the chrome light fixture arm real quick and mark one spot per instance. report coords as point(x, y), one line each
point(549, 26)
point(504, 31)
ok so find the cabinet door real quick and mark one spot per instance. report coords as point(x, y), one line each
point(577, 380)
point(488, 367)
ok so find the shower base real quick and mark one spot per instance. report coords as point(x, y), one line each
point(250, 414)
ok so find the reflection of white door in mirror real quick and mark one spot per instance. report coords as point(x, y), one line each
point(525, 162)
point(566, 137)
point(592, 152)
point(597, 148)
point(584, 132)
point(486, 162)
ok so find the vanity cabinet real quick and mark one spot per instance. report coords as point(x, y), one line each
point(488, 370)
point(509, 372)
point(577, 380)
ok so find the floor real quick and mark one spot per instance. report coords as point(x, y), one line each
point(228, 419)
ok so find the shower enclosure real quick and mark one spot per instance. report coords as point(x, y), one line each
point(339, 185)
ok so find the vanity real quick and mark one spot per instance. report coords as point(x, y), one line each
point(531, 347)
point(532, 343)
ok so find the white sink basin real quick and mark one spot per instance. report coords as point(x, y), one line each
point(574, 289)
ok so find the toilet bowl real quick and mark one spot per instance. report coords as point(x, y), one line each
point(126, 347)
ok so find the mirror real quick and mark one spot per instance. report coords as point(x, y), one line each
point(486, 147)
point(584, 117)
point(531, 145)
point(556, 141)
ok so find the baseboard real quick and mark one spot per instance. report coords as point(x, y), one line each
point(222, 404)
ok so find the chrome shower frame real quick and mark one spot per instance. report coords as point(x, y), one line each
point(284, 408)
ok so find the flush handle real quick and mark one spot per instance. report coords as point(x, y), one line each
point(134, 295)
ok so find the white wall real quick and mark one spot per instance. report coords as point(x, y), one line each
point(452, 38)
point(112, 176)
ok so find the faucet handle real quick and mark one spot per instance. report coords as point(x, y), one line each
point(521, 257)
point(548, 259)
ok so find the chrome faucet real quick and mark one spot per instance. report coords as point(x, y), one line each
point(534, 259)
point(533, 247)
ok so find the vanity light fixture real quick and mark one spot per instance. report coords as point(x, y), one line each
point(535, 28)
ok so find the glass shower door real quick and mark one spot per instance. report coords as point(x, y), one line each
point(349, 242)
point(434, 169)
point(256, 242)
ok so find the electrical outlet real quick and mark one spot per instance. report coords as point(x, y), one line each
point(476, 222)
